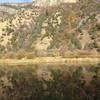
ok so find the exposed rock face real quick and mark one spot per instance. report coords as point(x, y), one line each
point(52, 2)
point(69, 1)
point(4, 8)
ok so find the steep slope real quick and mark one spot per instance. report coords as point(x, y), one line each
point(17, 28)
point(68, 27)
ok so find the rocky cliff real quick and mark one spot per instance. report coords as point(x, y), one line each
point(52, 2)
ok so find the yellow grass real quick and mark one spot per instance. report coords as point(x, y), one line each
point(60, 60)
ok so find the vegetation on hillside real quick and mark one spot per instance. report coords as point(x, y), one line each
point(64, 28)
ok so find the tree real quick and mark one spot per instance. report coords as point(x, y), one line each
point(89, 6)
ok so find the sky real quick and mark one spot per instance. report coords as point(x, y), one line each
point(13, 1)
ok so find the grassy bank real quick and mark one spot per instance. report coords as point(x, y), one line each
point(38, 60)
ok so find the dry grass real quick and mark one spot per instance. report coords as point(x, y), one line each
point(37, 60)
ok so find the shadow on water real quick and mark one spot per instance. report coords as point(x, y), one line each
point(50, 82)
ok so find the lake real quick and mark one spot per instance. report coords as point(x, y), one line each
point(50, 82)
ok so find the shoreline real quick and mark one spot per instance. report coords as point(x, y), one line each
point(52, 60)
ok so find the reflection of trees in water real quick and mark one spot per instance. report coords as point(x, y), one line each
point(50, 82)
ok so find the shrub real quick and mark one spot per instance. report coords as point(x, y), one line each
point(76, 43)
point(93, 45)
point(97, 26)
point(9, 30)
point(10, 55)
point(20, 54)
point(30, 55)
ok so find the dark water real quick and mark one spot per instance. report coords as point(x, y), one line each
point(50, 82)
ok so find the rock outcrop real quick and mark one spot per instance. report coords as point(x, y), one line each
point(52, 2)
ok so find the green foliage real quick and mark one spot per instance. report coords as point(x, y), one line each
point(76, 42)
point(2, 48)
point(97, 27)
point(93, 45)
point(88, 6)
point(9, 30)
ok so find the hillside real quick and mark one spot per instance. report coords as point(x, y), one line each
point(68, 28)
